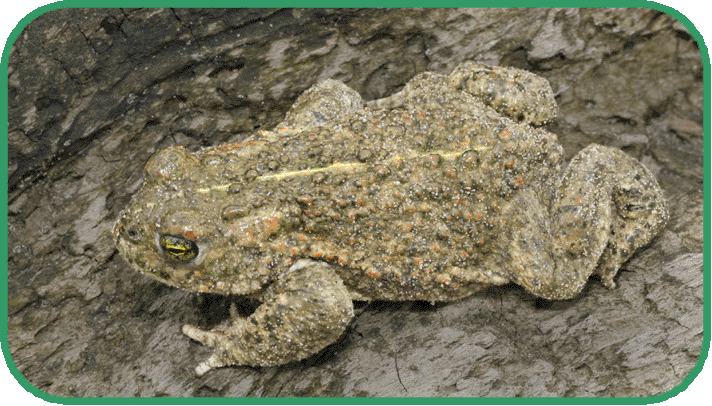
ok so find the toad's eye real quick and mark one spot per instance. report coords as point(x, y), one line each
point(178, 248)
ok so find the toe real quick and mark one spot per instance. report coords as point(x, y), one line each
point(209, 338)
point(213, 362)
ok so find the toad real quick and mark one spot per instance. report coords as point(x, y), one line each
point(435, 193)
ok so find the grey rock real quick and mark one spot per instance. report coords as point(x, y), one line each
point(94, 92)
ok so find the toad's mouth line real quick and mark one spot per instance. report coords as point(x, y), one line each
point(351, 167)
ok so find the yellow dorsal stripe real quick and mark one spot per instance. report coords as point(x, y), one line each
point(346, 166)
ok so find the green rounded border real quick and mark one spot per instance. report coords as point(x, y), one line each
point(411, 401)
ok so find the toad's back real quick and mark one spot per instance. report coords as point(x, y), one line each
point(405, 204)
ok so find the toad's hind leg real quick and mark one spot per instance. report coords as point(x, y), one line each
point(604, 207)
point(601, 183)
point(640, 212)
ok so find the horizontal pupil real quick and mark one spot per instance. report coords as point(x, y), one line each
point(178, 248)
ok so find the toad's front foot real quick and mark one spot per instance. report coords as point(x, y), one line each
point(213, 339)
point(301, 313)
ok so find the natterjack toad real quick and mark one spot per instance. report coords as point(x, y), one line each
point(431, 194)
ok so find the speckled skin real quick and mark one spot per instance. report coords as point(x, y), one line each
point(431, 194)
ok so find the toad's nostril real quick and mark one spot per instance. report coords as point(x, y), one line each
point(132, 233)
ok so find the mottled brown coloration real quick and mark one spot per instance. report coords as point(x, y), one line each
point(431, 194)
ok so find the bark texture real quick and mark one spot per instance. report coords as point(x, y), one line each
point(94, 92)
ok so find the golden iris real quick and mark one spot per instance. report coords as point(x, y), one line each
point(178, 248)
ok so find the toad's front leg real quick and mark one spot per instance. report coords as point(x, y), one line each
point(305, 310)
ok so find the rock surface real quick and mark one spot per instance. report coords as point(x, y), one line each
point(94, 92)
